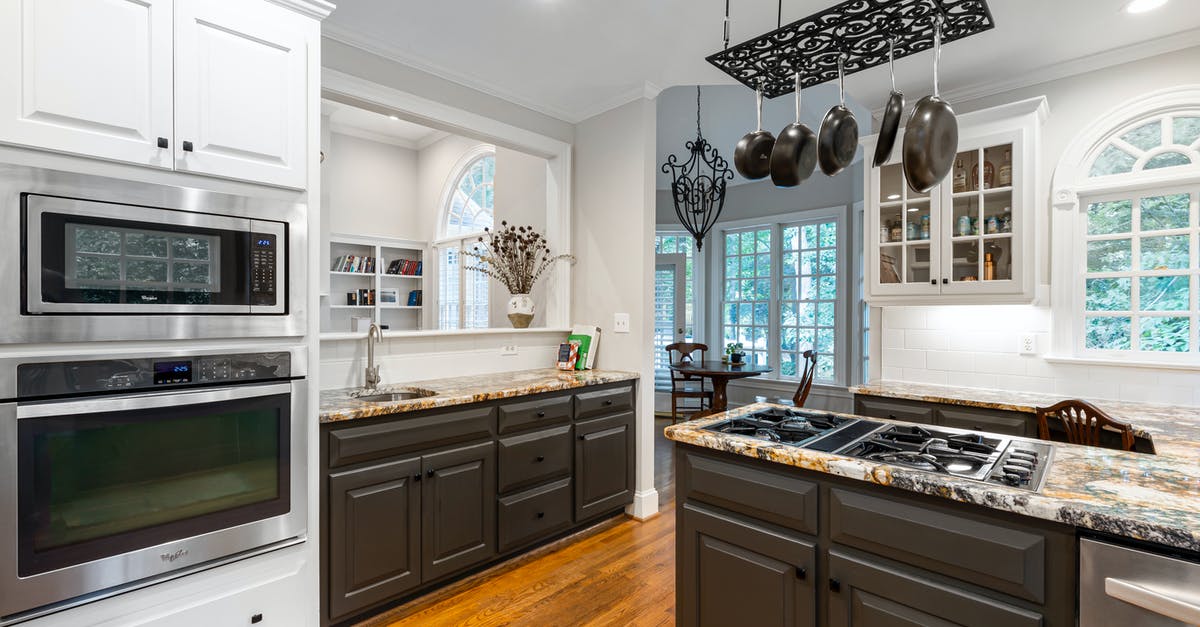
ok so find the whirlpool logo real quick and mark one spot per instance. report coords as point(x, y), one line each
point(149, 298)
point(171, 557)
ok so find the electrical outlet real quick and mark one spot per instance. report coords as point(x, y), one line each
point(621, 323)
point(508, 350)
point(1028, 345)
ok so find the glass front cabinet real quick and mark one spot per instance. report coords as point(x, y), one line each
point(972, 239)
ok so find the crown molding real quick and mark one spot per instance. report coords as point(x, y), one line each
point(379, 138)
point(319, 9)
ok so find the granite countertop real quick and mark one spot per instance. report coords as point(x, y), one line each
point(341, 405)
point(1148, 497)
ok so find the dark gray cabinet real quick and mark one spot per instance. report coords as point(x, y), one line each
point(893, 409)
point(375, 531)
point(735, 571)
point(528, 516)
point(957, 416)
point(532, 458)
point(458, 526)
point(603, 465)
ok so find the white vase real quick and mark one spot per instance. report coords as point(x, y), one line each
point(520, 310)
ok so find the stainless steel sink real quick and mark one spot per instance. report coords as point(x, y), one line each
point(392, 397)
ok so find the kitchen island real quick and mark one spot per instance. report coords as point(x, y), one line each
point(797, 536)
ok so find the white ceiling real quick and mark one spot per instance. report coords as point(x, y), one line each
point(576, 58)
point(350, 120)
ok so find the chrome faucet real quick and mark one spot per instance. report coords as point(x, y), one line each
point(372, 375)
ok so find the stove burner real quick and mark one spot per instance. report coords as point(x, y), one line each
point(777, 424)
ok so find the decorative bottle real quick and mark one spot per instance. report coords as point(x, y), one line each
point(960, 177)
point(989, 268)
point(1005, 177)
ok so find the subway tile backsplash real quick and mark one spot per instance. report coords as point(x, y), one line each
point(978, 347)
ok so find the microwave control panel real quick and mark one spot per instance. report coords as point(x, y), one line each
point(264, 257)
point(118, 375)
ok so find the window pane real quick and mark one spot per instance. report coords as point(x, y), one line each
point(788, 289)
point(825, 314)
point(731, 244)
point(808, 262)
point(1108, 295)
point(827, 261)
point(731, 290)
point(791, 237)
point(788, 314)
point(761, 314)
point(1107, 333)
point(829, 234)
point(824, 340)
point(1165, 212)
point(1110, 217)
point(824, 367)
point(1187, 130)
point(808, 288)
point(1165, 334)
point(1169, 252)
point(790, 267)
point(828, 288)
point(787, 364)
point(808, 236)
point(1112, 160)
point(1164, 293)
point(1146, 136)
point(807, 314)
point(1167, 160)
point(764, 241)
point(1109, 255)
point(748, 243)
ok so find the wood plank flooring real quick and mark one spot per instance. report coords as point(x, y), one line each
point(621, 572)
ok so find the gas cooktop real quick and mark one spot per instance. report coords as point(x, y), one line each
point(986, 457)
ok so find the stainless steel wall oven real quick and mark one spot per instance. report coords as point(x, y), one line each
point(123, 472)
point(105, 259)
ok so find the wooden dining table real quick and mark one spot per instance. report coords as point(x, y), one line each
point(720, 373)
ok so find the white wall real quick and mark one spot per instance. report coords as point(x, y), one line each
point(977, 346)
point(613, 233)
point(372, 188)
point(520, 199)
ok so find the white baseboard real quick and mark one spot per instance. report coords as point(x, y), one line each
point(645, 505)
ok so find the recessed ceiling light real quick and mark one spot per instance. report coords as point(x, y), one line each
point(1143, 6)
point(393, 117)
point(894, 197)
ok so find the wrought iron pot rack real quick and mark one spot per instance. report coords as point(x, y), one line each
point(859, 29)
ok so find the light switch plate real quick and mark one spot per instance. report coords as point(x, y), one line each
point(621, 323)
point(1028, 345)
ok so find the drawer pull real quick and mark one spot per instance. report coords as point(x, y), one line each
point(541, 514)
point(892, 417)
point(541, 414)
point(187, 146)
point(162, 142)
point(835, 585)
point(417, 477)
point(1158, 602)
point(583, 437)
point(429, 473)
point(256, 619)
point(608, 402)
point(540, 458)
point(801, 573)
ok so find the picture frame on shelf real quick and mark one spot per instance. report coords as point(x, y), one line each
point(389, 296)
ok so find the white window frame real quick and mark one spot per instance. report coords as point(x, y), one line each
point(846, 325)
point(460, 241)
point(1073, 190)
point(699, 268)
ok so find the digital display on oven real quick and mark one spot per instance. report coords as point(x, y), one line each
point(263, 242)
point(172, 372)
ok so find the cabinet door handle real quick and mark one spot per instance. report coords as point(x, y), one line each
point(933, 281)
point(835, 585)
point(801, 573)
point(417, 477)
point(945, 281)
point(256, 619)
point(429, 473)
point(541, 414)
point(583, 437)
point(187, 146)
point(162, 142)
point(541, 514)
point(541, 458)
point(607, 403)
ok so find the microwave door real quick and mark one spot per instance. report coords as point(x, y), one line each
point(85, 257)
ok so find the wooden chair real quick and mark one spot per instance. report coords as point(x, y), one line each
point(806, 381)
point(1083, 423)
point(685, 386)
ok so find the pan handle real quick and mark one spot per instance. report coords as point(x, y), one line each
point(797, 96)
point(892, 61)
point(758, 101)
point(937, 52)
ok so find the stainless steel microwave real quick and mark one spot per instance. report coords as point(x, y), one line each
point(94, 258)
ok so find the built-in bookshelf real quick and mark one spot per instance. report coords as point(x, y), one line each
point(373, 279)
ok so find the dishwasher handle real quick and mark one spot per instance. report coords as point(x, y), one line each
point(1152, 600)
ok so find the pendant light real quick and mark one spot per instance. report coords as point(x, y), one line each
point(698, 184)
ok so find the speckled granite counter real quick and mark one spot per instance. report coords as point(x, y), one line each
point(340, 405)
point(1148, 497)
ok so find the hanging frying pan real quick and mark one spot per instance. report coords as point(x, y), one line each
point(752, 157)
point(795, 153)
point(891, 114)
point(838, 140)
point(931, 135)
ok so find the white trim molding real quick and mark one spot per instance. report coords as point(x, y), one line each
point(319, 9)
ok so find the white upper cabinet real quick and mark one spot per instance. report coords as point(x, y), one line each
point(971, 239)
point(214, 87)
point(92, 77)
point(240, 83)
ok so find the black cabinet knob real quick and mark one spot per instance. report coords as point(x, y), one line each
point(608, 402)
point(417, 477)
point(429, 473)
point(933, 281)
point(187, 146)
point(801, 573)
point(893, 417)
point(257, 618)
point(945, 281)
point(583, 437)
point(541, 458)
point(541, 514)
point(835, 585)
point(162, 142)
point(541, 414)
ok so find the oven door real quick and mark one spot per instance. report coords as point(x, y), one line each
point(111, 491)
point(86, 257)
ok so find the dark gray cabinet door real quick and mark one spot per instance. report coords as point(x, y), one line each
point(730, 571)
point(893, 409)
point(1008, 423)
point(867, 592)
point(603, 465)
point(374, 534)
point(458, 507)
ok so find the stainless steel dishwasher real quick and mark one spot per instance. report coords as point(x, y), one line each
point(1119, 585)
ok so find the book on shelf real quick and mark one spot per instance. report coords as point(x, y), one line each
point(354, 263)
point(414, 298)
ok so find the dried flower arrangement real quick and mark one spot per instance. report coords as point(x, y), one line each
point(513, 255)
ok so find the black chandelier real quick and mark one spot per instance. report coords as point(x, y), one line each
point(698, 184)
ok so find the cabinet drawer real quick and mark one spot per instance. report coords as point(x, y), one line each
point(602, 402)
point(1008, 423)
point(536, 413)
point(984, 553)
point(426, 430)
point(534, 514)
point(893, 410)
point(772, 497)
point(533, 457)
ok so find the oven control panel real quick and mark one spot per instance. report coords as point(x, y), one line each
point(263, 266)
point(113, 375)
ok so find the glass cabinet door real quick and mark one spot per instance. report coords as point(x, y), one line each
point(906, 222)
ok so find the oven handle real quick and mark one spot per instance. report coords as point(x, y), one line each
point(149, 401)
point(1152, 600)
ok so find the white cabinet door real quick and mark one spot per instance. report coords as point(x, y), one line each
point(91, 77)
point(241, 71)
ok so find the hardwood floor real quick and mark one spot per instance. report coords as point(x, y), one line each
point(621, 572)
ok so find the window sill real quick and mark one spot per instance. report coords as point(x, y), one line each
point(1121, 363)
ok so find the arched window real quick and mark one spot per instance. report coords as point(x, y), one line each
point(468, 208)
point(1133, 232)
